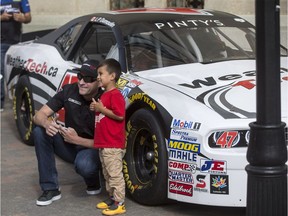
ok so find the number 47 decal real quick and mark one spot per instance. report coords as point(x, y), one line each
point(227, 139)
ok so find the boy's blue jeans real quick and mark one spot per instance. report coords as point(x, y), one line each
point(86, 161)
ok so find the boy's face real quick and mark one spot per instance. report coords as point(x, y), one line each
point(104, 78)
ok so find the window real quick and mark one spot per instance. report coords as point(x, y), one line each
point(95, 44)
point(186, 3)
point(156, 49)
point(65, 41)
point(120, 4)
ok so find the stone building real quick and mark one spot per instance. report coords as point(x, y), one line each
point(54, 13)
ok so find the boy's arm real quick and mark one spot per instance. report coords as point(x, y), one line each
point(110, 114)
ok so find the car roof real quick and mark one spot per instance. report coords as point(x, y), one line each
point(135, 20)
point(128, 16)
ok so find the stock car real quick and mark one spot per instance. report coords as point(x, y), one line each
point(189, 85)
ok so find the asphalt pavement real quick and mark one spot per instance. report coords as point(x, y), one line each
point(20, 188)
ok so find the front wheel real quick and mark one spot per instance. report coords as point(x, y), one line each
point(145, 162)
point(24, 109)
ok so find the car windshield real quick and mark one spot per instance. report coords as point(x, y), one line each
point(163, 48)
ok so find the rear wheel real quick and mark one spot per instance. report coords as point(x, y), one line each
point(24, 109)
point(145, 162)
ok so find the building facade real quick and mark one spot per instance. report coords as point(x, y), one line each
point(56, 13)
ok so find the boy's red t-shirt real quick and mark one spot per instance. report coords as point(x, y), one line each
point(110, 133)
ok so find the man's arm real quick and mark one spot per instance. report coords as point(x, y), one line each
point(71, 136)
point(18, 17)
point(22, 17)
point(43, 119)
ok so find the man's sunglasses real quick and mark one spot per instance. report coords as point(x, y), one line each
point(87, 79)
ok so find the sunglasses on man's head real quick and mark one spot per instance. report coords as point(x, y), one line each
point(87, 79)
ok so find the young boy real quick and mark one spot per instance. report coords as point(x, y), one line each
point(109, 136)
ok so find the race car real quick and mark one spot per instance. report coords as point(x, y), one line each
point(189, 85)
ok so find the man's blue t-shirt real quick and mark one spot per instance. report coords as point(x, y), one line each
point(11, 30)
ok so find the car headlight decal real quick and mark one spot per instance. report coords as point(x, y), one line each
point(229, 139)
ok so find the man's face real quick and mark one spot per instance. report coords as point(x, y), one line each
point(88, 88)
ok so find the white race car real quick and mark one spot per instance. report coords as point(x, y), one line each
point(189, 84)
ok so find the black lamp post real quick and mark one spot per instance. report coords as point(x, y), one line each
point(267, 151)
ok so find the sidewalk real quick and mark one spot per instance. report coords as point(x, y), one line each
point(20, 188)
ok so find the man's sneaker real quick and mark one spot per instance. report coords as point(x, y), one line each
point(106, 203)
point(114, 209)
point(48, 197)
point(93, 190)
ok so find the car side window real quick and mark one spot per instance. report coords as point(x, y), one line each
point(150, 50)
point(65, 41)
point(97, 40)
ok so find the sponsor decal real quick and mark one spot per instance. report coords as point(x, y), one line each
point(180, 188)
point(201, 184)
point(121, 83)
point(183, 135)
point(143, 97)
point(227, 139)
point(179, 176)
point(182, 166)
point(189, 23)
point(223, 106)
point(74, 101)
point(210, 81)
point(182, 155)
point(103, 21)
point(213, 166)
point(125, 92)
point(32, 66)
point(183, 124)
point(133, 83)
point(246, 83)
point(186, 146)
point(219, 184)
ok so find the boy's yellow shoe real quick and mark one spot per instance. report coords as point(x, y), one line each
point(115, 209)
point(105, 204)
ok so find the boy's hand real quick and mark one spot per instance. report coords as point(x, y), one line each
point(96, 105)
point(93, 105)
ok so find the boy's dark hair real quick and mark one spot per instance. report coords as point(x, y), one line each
point(113, 66)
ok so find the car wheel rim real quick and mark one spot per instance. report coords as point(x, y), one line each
point(144, 156)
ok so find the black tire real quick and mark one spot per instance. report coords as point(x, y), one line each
point(24, 110)
point(145, 162)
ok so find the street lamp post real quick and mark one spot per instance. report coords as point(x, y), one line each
point(267, 151)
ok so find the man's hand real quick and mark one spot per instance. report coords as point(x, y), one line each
point(19, 17)
point(52, 128)
point(69, 134)
point(6, 16)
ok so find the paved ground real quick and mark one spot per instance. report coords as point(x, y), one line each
point(19, 186)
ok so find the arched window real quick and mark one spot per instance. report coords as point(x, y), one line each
point(122, 4)
point(186, 3)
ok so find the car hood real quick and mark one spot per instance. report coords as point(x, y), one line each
point(228, 88)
